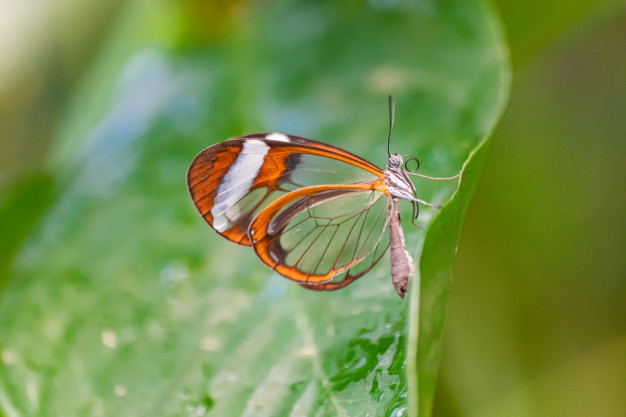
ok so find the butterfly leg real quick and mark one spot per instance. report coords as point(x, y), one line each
point(434, 178)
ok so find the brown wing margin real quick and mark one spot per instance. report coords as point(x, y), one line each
point(270, 223)
point(212, 164)
point(325, 149)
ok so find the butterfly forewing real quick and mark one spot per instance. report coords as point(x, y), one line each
point(313, 234)
point(233, 181)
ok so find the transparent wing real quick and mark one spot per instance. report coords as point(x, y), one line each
point(315, 233)
point(357, 271)
point(233, 181)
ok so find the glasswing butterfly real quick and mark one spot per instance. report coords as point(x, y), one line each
point(311, 211)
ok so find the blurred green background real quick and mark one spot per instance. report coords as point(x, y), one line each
point(536, 323)
point(537, 319)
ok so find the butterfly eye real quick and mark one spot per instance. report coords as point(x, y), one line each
point(410, 160)
point(395, 160)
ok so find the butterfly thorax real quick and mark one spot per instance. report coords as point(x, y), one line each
point(398, 183)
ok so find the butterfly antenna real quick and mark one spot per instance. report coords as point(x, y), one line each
point(392, 115)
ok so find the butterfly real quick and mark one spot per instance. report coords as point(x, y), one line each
point(311, 211)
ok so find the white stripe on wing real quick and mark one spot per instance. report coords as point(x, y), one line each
point(238, 180)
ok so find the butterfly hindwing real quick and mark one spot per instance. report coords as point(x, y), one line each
point(315, 233)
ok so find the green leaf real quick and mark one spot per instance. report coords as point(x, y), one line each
point(123, 302)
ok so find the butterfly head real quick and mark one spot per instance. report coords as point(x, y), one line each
point(398, 182)
point(396, 160)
